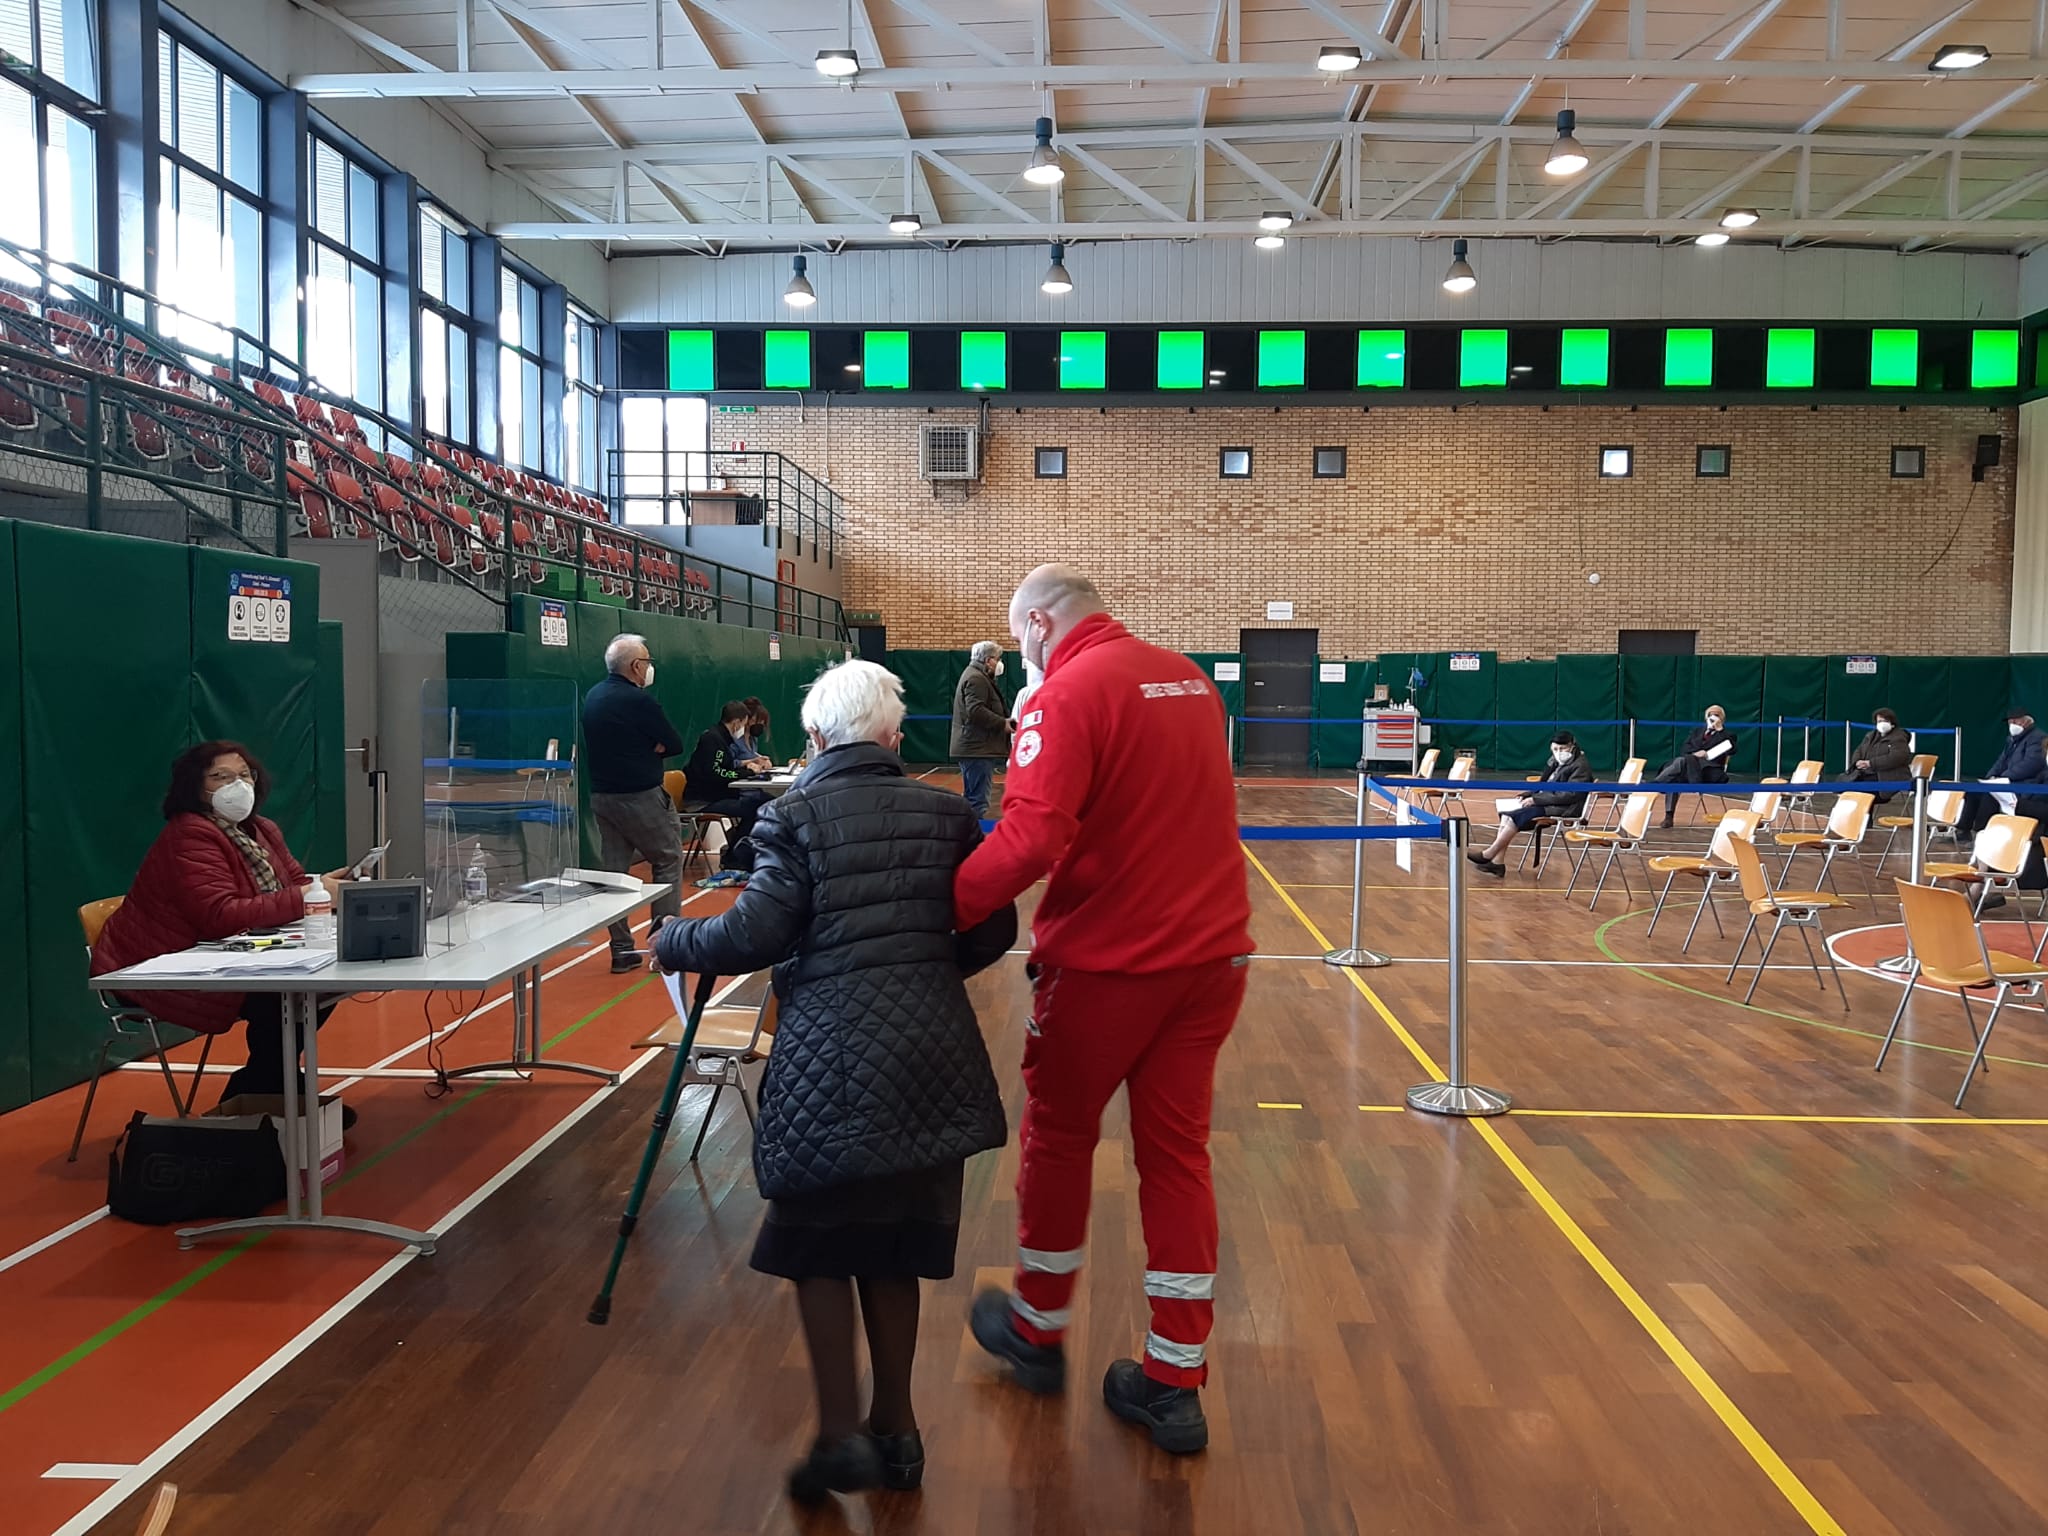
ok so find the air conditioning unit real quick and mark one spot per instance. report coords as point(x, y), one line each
point(947, 452)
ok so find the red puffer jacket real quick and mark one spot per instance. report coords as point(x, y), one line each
point(194, 885)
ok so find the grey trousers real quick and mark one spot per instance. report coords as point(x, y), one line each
point(640, 826)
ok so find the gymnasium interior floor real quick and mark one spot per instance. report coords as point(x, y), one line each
point(1714, 1275)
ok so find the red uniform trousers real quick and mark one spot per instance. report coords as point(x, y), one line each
point(1158, 1036)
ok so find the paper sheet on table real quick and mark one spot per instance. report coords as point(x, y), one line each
point(674, 982)
point(231, 962)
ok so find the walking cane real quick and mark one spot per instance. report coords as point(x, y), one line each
point(601, 1309)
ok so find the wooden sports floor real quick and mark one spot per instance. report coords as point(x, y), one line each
point(1714, 1275)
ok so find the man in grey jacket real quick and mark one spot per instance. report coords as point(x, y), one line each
point(981, 727)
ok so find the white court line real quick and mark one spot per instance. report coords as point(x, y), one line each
point(143, 1471)
point(23, 1255)
point(91, 1471)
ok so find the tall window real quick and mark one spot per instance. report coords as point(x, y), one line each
point(445, 341)
point(663, 440)
point(344, 296)
point(519, 360)
point(209, 216)
point(579, 399)
point(48, 197)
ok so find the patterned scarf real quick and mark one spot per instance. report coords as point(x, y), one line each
point(254, 852)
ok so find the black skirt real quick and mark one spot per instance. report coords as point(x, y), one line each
point(901, 1226)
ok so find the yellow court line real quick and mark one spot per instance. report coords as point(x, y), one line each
point(1263, 1104)
point(1760, 1450)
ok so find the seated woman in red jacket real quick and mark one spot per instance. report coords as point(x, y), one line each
point(217, 869)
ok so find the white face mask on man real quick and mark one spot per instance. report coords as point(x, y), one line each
point(1884, 727)
point(2015, 728)
point(1561, 755)
point(1713, 722)
point(234, 802)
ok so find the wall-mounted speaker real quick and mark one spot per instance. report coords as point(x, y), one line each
point(1987, 455)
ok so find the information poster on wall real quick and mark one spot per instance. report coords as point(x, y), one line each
point(1330, 672)
point(775, 647)
point(260, 607)
point(1464, 661)
point(554, 623)
point(1860, 666)
point(1279, 613)
point(1229, 671)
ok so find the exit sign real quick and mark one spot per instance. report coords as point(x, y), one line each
point(865, 620)
point(737, 410)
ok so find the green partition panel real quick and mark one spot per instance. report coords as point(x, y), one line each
point(1649, 691)
point(1918, 688)
point(1736, 683)
point(1794, 687)
point(260, 692)
point(337, 776)
point(1978, 687)
point(1232, 692)
point(16, 1044)
point(95, 750)
point(1336, 746)
point(1461, 695)
point(1852, 696)
point(1589, 688)
point(1527, 690)
point(929, 678)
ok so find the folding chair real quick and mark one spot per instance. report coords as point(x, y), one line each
point(127, 1022)
point(1995, 863)
point(1626, 838)
point(1847, 823)
point(1922, 767)
point(1631, 773)
point(1949, 950)
point(728, 1041)
point(1796, 909)
point(1440, 800)
point(1800, 802)
point(692, 823)
point(1715, 869)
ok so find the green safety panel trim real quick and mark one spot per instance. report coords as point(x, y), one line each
point(1649, 691)
point(329, 848)
point(94, 774)
point(15, 1042)
point(1457, 696)
point(1978, 687)
point(1736, 683)
point(1527, 691)
point(1794, 686)
point(1851, 697)
point(1336, 746)
point(1589, 688)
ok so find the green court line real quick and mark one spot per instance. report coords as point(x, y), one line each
point(29, 1385)
point(1600, 942)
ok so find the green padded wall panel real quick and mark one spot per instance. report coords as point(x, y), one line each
point(1793, 686)
point(1851, 697)
point(1460, 696)
point(1649, 691)
point(1336, 746)
point(1589, 688)
point(15, 1042)
point(1978, 687)
point(1527, 690)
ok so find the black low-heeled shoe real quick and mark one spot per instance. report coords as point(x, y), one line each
point(902, 1460)
point(852, 1465)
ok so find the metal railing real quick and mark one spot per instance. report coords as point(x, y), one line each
point(725, 488)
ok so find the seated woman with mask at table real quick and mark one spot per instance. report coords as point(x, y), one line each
point(217, 869)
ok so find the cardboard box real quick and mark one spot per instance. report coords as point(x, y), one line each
point(328, 1126)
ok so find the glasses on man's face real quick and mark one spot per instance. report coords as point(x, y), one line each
point(218, 778)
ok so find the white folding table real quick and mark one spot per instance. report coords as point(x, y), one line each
point(505, 939)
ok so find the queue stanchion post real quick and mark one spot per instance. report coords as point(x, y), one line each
point(1457, 1096)
point(1805, 741)
point(1357, 957)
point(1631, 736)
point(1778, 764)
point(1904, 964)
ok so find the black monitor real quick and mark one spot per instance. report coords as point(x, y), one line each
point(381, 919)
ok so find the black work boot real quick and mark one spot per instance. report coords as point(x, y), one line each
point(1040, 1368)
point(1173, 1414)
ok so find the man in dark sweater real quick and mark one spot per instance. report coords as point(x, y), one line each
point(981, 728)
point(626, 735)
point(717, 769)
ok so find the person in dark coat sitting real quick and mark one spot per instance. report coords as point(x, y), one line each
point(1702, 760)
point(715, 777)
point(879, 1088)
point(1883, 753)
point(2022, 761)
point(1567, 765)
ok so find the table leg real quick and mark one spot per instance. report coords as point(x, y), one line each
point(294, 1120)
point(525, 1058)
point(309, 1117)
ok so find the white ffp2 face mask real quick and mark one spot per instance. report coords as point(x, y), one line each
point(2014, 728)
point(234, 802)
point(650, 676)
point(1561, 755)
point(1884, 727)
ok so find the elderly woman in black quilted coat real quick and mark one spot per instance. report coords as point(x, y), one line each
point(879, 1087)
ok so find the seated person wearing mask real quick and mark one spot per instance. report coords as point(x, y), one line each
point(717, 772)
point(1703, 759)
point(1883, 753)
point(217, 869)
point(1567, 765)
point(753, 744)
point(2023, 761)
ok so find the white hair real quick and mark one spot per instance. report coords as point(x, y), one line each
point(984, 652)
point(619, 654)
point(854, 701)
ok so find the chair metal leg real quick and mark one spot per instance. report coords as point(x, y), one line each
point(1785, 875)
point(709, 1110)
point(1840, 990)
point(92, 1088)
point(1983, 1041)
point(1899, 1013)
point(198, 1076)
point(1578, 863)
point(746, 1099)
point(163, 1060)
point(1612, 850)
point(1827, 872)
point(1739, 950)
point(1658, 910)
point(1776, 929)
point(1887, 853)
point(1706, 905)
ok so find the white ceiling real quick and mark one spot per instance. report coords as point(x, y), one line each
point(701, 124)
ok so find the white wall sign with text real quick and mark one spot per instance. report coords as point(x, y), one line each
point(1860, 666)
point(1464, 661)
point(774, 647)
point(1229, 671)
point(260, 607)
point(1330, 672)
point(554, 622)
point(1279, 613)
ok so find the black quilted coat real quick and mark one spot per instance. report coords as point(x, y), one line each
point(879, 1065)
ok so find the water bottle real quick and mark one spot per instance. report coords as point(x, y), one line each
point(319, 913)
point(476, 880)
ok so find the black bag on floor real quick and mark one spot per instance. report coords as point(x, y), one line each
point(165, 1170)
point(738, 854)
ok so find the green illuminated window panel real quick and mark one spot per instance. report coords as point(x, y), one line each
point(1382, 359)
point(1788, 359)
point(1084, 359)
point(689, 361)
point(984, 360)
point(1688, 358)
point(1894, 359)
point(1582, 364)
point(1283, 359)
point(1181, 359)
point(1994, 359)
point(1482, 358)
point(885, 359)
point(786, 360)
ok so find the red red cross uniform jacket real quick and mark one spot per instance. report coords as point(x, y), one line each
point(1120, 789)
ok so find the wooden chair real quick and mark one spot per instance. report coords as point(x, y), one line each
point(1631, 773)
point(1425, 768)
point(1948, 949)
point(126, 1022)
point(693, 823)
point(1716, 868)
point(1461, 770)
point(1995, 862)
point(1766, 803)
point(1626, 838)
point(1800, 802)
point(1795, 909)
point(728, 1040)
point(1847, 823)
point(1922, 767)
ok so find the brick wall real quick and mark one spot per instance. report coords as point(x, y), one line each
point(1474, 529)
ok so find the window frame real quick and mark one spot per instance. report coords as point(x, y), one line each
point(1341, 472)
point(520, 280)
point(1223, 470)
point(453, 317)
point(1600, 465)
point(1699, 461)
point(581, 394)
point(320, 135)
point(1919, 469)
